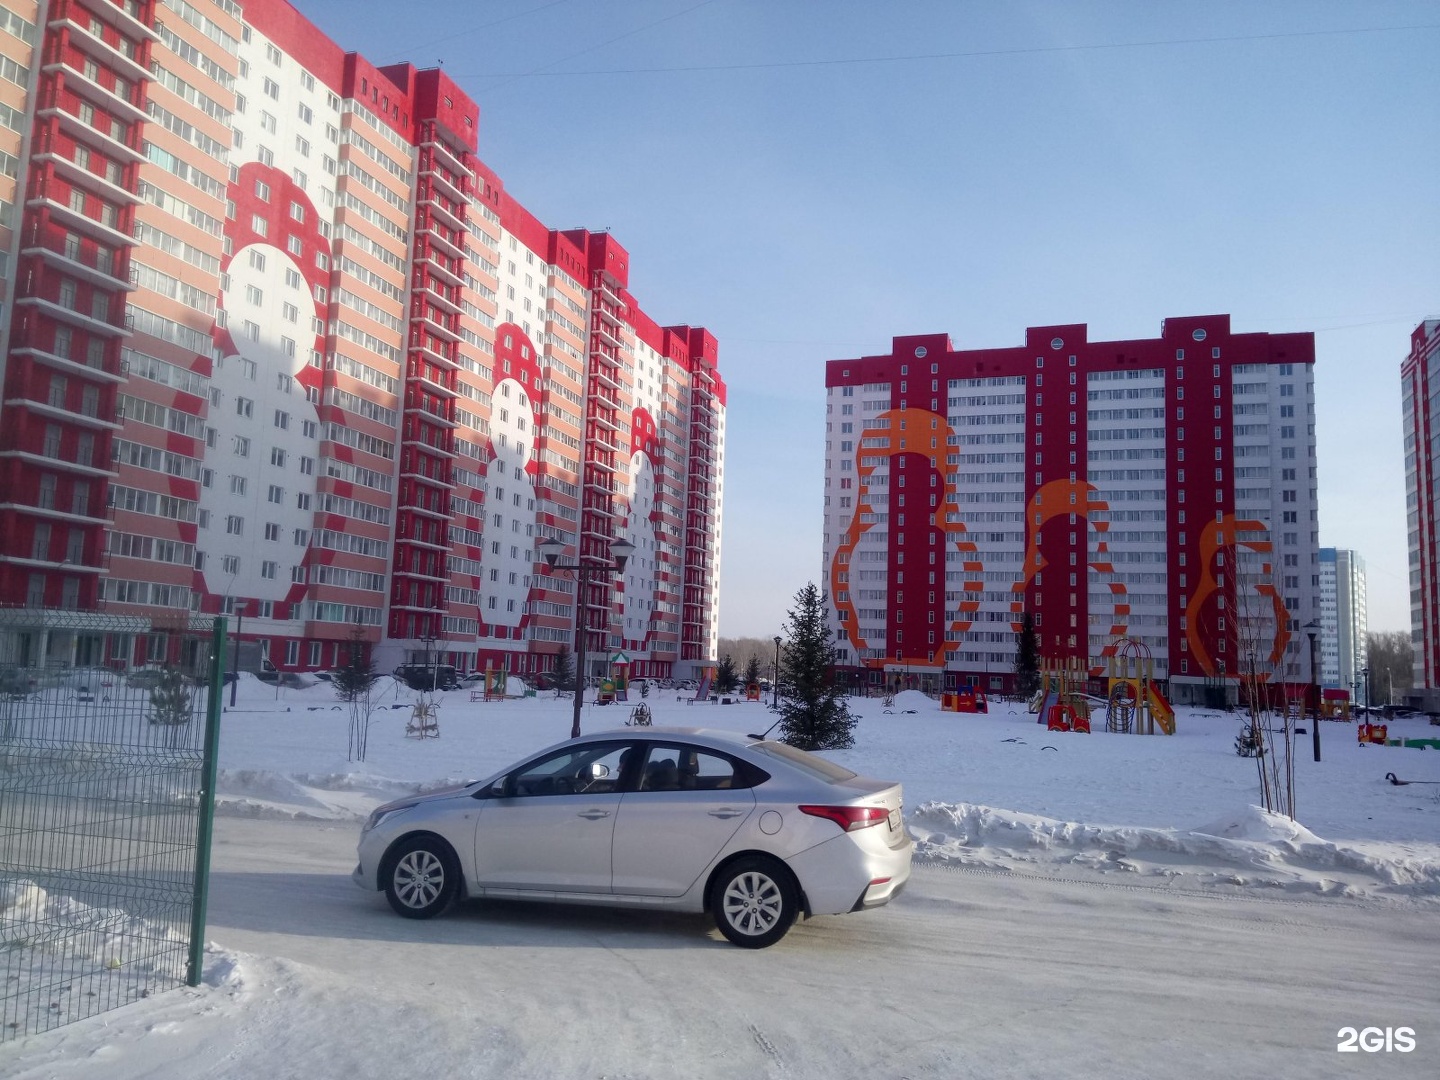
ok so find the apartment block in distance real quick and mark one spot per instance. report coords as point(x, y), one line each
point(279, 344)
point(1158, 490)
point(1343, 623)
point(1420, 389)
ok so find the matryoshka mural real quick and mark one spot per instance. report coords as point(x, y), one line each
point(639, 527)
point(264, 396)
point(508, 530)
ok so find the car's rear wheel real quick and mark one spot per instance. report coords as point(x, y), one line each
point(423, 877)
point(754, 901)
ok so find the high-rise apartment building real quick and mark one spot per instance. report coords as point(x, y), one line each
point(1343, 625)
point(1159, 489)
point(277, 342)
point(1420, 388)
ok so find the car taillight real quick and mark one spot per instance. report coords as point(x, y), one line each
point(849, 818)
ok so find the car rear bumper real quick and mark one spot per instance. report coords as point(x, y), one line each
point(849, 866)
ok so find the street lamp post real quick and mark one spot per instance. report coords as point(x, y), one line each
point(775, 704)
point(1365, 677)
point(1311, 629)
point(235, 658)
point(550, 549)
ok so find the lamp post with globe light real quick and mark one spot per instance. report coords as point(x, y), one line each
point(775, 704)
point(550, 550)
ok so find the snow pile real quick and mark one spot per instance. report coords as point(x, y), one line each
point(1251, 848)
point(260, 793)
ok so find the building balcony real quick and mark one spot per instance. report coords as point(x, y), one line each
point(58, 464)
point(439, 239)
point(447, 159)
point(124, 15)
point(439, 358)
point(123, 57)
point(75, 268)
point(90, 90)
point(126, 150)
point(430, 415)
point(86, 322)
point(52, 513)
point(444, 180)
point(436, 265)
point(438, 297)
point(427, 318)
point(70, 367)
point(439, 382)
point(606, 289)
point(61, 214)
point(422, 478)
point(443, 213)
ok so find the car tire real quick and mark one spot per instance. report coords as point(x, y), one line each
point(754, 901)
point(422, 876)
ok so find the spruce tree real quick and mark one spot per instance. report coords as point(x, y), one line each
point(725, 675)
point(170, 699)
point(563, 669)
point(814, 712)
point(752, 671)
point(1027, 658)
point(354, 677)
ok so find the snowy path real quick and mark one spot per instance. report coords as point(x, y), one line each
point(968, 974)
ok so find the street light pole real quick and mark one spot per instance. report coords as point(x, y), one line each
point(235, 659)
point(1311, 629)
point(550, 549)
point(775, 704)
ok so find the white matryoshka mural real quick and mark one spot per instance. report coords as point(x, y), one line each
point(639, 528)
point(263, 452)
point(509, 526)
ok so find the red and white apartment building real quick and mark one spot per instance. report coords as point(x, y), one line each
point(1161, 490)
point(1420, 387)
point(277, 343)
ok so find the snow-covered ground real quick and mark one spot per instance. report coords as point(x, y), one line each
point(992, 790)
point(995, 796)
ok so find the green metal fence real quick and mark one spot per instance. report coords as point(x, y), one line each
point(109, 727)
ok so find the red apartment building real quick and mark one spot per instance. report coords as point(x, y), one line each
point(278, 343)
point(1159, 489)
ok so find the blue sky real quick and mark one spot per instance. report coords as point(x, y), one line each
point(790, 185)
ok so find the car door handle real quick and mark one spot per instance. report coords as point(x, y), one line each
point(726, 813)
point(593, 815)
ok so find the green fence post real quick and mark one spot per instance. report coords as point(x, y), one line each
point(206, 826)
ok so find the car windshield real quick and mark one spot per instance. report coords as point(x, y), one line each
point(804, 760)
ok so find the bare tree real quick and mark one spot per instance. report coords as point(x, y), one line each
point(1391, 657)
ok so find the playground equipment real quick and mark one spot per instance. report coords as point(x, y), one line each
point(640, 716)
point(752, 692)
point(707, 676)
point(1372, 733)
point(1135, 704)
point(968, 699)
point(1335, 704)
point(494, 684)
point(1061, 702)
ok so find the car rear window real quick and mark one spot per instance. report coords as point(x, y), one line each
point(803, 760)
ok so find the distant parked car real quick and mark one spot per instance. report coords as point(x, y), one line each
point(755, 832)
point(428, 676)
point(145, 678)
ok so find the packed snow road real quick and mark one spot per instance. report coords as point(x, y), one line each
point(969, 974)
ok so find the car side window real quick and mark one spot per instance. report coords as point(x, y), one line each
point(688, 768)
point(595, 769)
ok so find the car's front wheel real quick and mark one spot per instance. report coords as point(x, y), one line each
point(754, 902)
point(423, 877)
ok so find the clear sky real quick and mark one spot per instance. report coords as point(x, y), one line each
point(809, 178)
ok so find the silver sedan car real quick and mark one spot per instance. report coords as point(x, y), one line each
point(753, 831)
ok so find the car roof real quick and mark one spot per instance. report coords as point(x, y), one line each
point(718, 735)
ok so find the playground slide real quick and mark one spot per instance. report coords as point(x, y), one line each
point(703, 694)
point(1162, 711)
point(1051, 698)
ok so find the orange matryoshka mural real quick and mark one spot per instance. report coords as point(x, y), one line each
point(1215, 538)
point(883, 439)
point(1071, 497)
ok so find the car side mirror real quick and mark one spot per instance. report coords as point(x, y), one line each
point(599, 770)
point(492, 791)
